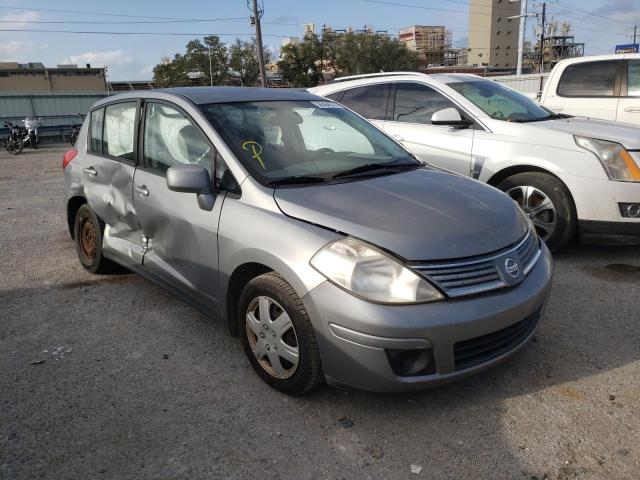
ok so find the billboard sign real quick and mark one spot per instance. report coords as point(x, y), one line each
point(628, 48)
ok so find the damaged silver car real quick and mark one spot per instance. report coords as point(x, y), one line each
point(320, 241)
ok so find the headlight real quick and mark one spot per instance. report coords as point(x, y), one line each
point(371, 274)
point(617, 162)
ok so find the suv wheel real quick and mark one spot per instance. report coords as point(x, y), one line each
point(277, 335)
point(87, 234)
point(548, 204)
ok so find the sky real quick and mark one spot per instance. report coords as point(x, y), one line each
point(601, 24)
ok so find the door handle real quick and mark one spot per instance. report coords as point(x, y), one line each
point(556, 108)
point(632, 109)
point(142, 190)
point(90, 171)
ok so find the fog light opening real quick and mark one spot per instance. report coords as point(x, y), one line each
point(630, 210)
point(411, 363)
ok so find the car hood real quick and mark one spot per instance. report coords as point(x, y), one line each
point(419, 215)
point(623, 133)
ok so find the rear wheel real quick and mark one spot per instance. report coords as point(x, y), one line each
point(15, 147)
point(277, 335)
point(87, 231)
point(547, 202)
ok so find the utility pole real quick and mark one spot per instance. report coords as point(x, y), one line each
point(210, 68)
point(635, 31)
point(257, 14)
point(543, 25)
point(523, 29)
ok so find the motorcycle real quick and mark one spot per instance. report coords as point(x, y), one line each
point(14, 142)
point(31, 135)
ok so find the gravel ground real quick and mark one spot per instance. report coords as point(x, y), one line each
point(133, 383)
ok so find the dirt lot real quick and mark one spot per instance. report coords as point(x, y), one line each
point(129, 382)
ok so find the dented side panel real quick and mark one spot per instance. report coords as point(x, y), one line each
point(110, 194)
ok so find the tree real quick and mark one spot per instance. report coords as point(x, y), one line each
point(207, 62)
point(343, 54)
point(243, 62)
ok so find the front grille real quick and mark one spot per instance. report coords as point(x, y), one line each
point(479, 350)
point(481, 274)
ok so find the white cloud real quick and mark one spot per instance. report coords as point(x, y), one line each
point(28, 16)
point(111, 59)
point(12, 49)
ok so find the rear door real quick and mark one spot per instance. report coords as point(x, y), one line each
point(413, 104)
point(588, 89)
point(629, 104)
point(181, 239)
point(107, 177)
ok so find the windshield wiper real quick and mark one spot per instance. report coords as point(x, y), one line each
point(296, 179)
point(370, 167)
point(553, 116)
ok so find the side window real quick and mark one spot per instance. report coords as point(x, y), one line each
point(633, 78)
point(589, 79)
point(95, 131)
point(416, 103)
point(369, 101)
point(119, 130)
point(335, 96)
point(223, 179)
point(171, 139)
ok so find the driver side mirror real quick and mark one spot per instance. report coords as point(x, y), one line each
point(192, 179)
point(450, 117)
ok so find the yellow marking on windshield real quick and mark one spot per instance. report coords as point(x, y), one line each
point(256, 149)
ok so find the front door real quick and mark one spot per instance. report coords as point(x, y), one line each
point(108, 178)
point(446, 147)
point(181, 239)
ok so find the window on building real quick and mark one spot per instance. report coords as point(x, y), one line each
point(589, 79)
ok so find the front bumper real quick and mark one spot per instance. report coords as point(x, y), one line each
point(354, 335)
point(597, 205)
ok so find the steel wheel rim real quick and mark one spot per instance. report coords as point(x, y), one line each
point(88, 243)
point(537, 206)
point(272, 337)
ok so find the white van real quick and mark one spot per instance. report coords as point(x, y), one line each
point(602, 86)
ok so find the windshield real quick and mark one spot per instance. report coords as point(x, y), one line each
point(282, 142)
point(500, 102)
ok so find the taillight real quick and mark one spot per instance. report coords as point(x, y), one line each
point(70, 155)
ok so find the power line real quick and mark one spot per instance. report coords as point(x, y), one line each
point(142, 33)
point(123, 22)
point(87, 12)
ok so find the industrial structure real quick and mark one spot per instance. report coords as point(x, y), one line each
point(493, 36)
point(429, 42)
point(35, 77)
point(558, 44)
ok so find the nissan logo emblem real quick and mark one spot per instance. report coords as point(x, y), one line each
point(512, 267)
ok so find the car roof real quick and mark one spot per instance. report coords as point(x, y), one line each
point(593, 58)
point(204, 95)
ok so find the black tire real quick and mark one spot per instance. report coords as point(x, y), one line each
point(15, 147)
point(308, 372)
point(87, 235)
point(565, 216)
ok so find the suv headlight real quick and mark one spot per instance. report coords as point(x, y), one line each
point(367, 272)
point(617, 162)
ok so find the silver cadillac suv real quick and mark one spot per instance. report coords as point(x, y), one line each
point(320, 241)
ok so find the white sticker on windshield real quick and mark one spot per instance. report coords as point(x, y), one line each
point(326, 104)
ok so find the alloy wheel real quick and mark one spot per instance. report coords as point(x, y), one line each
point(538, 207)
point(272, 337)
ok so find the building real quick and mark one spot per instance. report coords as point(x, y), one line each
point(493, 36)
point(430, 42)
point(456, 56)
point(558, 45)
point(35, 77)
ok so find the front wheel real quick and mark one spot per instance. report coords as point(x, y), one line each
point(15, 147)
point(277, 335)
point(547, 202)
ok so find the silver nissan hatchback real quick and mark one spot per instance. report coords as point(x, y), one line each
point(322, 243)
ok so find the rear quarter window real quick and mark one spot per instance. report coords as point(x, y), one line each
point(589, 79)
